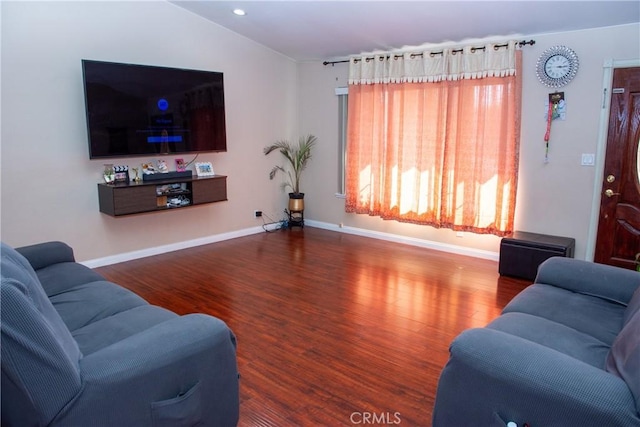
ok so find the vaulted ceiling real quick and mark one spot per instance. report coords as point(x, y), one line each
point(307, 30)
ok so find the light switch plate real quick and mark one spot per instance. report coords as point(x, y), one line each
point(588, 159)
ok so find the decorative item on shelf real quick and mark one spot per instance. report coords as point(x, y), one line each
point(136, 178)
point(180, 165)
point(148, 168)
point(204, 169)
point(121, 173)
point(160, 171)
point(162, 166)
point(109, 173)
point(297, 157)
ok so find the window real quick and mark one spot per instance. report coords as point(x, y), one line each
point(441, 153)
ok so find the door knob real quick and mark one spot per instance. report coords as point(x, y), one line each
point(609, 193)
point(611, 178)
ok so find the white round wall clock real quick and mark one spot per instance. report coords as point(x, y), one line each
point(557, 66)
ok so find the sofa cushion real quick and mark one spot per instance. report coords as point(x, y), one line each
point(93, 301)
point(589, 278)
point(112, 329)
point(553, 335)
point(57, 278)
point(624, 358)
point(591, 315)
point(41, 255)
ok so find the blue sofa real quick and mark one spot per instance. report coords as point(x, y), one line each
point(78, 350)
point(564, 352)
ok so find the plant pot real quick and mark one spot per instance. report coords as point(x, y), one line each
point(296, 202)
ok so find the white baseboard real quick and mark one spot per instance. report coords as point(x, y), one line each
point(128, 256)
point(444, 247)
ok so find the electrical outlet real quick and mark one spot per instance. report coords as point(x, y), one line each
point(257, 214)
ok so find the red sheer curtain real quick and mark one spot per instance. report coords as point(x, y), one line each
point(441, 153)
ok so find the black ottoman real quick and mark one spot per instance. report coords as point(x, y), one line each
point(522, 252)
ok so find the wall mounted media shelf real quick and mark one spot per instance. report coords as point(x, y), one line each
point(160, 195)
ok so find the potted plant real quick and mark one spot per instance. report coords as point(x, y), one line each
point(297, 157)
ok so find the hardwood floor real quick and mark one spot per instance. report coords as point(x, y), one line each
point(330, 326)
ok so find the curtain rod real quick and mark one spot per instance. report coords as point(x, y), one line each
point(413, 55)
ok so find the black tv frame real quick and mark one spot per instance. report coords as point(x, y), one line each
point(137, 110)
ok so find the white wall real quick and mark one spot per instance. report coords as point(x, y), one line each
point(553, 198)
point(48, 182)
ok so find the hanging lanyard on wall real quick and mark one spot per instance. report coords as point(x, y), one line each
point(556, 103)
point(547, 135)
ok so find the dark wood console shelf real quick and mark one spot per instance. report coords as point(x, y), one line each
point(152, 196)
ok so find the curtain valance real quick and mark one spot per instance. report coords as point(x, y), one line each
point(469, 62)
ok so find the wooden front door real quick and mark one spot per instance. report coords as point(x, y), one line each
point(618, 238)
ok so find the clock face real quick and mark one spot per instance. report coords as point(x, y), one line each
point(557, 66)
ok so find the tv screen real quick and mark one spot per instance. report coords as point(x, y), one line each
point(139, 110)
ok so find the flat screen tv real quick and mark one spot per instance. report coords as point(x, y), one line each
point(140, 110)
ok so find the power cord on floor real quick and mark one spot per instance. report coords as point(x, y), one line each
point(282, 224)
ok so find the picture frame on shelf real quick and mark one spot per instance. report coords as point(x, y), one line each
point(204, 169)
point(121, 174)
point(180, 165)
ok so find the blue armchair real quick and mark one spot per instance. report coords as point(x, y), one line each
point(78, 350)
point(565, 352)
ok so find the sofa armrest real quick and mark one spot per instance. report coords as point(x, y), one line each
point(493, 377)
point(603, 281)
point(42, 255)
point(185, 366)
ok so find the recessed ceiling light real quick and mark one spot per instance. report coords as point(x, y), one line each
point(239, 12)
